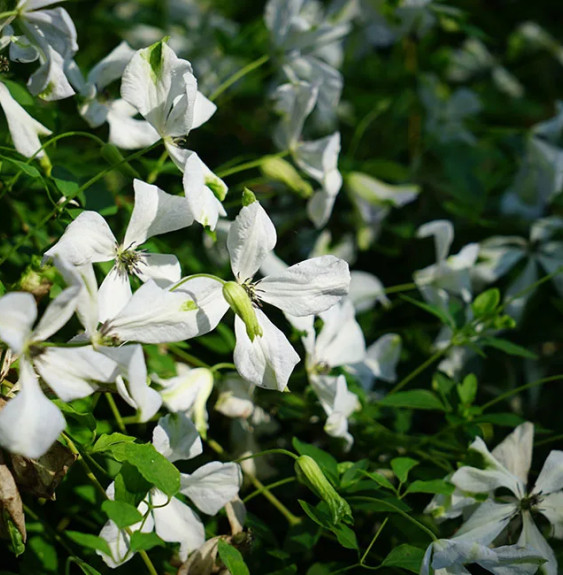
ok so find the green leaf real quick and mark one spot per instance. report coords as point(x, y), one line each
point(90, 541)
point(153, 466)
point(232, 559)
point(406, 557)
point(145, 541)
point(413, 399)
point(436, 311)
point(401, 467)
point(121, 513)
point(502, 419)
point(346, 537)
point(130, 485)
point(84, 567)
point(437, 486)
point(17, 544)
point(325, 461)
point(380, 479)
point(467, 389)
point(28, 169)
point(68, 188)
point(509, 347)
point(486, 302)
point(317, 514)
point(106, 442)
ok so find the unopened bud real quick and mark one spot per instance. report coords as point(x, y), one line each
point(248, 197)
point(240, 303)
point(281, 170)
point(310, 474)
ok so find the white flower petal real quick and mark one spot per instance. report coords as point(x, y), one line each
point(155, 212)
point(176, 437)
point(212, 486)
point(125, 131)
point(319, 159)
point(366, 290)
point(187, 389)
point(111, 67)
point(58, 312)
point(319, 208)
point(268, 361)
point(486, 522)
point(73, 373)
point(532, 537)
point(307, 288)
point(203, 110)
point(176, 522)
point(551, 507)
point(30, 423)
point(382, 356)
point(114, 294)
point(550, 478)
point(515, 451)
point(24, 129)
point(87, 239)
point(18, 312)
point(443, 232)
point(164, 269)
point(252, 236)
point(157, 315)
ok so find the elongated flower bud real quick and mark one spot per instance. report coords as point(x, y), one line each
point(240, 303)
point(310, 474)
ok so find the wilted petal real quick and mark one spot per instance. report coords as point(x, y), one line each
point(155, 212)
point(252, 236)
point(30, 423)
point(268, 361)
point(18, 312)
point(212, 486)
point(307, 288)
point(175, 522)
point(25, 130)
point(87, 239)
point(176, 437)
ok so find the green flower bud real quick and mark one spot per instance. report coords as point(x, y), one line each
point(281, 170)
point(248, 197)
point(240, 302)
point(310, 474)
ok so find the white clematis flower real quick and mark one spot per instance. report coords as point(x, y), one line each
point(263, 355)
point(24, 130)
point(209, 488)
point(88, 239)
point(96, 108)
point(448, 557)
point(163, 89)
point(507, 467)
point(50, 36)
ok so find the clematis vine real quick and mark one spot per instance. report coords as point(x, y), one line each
point(210, 487)
point(163, 89)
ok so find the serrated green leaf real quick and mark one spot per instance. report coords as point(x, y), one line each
point(406, 557)
point(121, 513)
point(153, 466)
point(413, 399)
point(401, 467)
point(232, 559)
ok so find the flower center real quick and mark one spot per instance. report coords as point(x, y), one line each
point(128, 260)
point(528, 502)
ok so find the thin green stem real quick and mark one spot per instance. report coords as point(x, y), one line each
point(400, 287)
point(8, 14)
point(363, 125)
point(115, 411)
point(530, 288)
point(238, 75)
point(516, 390)
point(248, 165)
point(151, 178)
point(194, 276)
point(268, 487)
point(267, 452)
point(176, 350)
point(548, 440)
point(375, 538)
point(396, 510)
point(433, 358)
point(223, 365)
